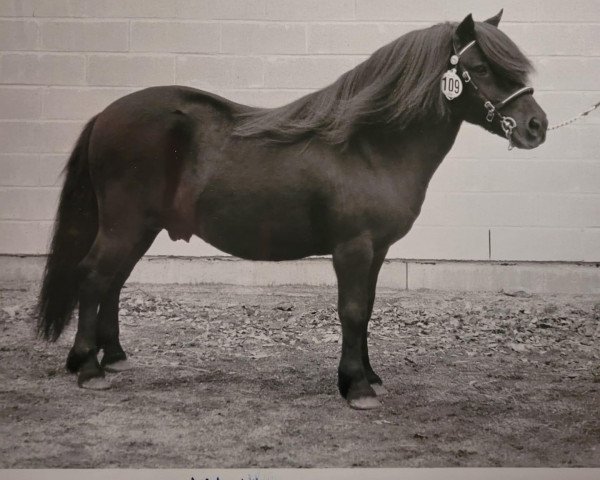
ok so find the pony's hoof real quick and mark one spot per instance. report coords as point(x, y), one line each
point(364, 403)
point(380, 390)
point(118, 366)
point(96, 383)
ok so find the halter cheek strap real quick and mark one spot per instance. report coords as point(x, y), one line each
point(456, 57)
point(508, 124)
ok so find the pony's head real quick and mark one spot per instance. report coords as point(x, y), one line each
point(486, 84)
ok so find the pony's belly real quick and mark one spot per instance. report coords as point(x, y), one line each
point(261, 235)
point(265, 244)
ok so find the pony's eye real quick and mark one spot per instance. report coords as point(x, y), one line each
point(480, 69)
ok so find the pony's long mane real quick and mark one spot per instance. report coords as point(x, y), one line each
point(396, 86)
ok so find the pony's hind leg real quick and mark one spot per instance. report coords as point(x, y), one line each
point(114, 358)
point(108, 332)
point(98, 272)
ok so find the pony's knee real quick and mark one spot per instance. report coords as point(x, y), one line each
point(353, 312)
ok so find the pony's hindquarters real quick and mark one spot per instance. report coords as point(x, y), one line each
point(100, 232)
point(75, 228)
point(132, 163)
point(112, 180)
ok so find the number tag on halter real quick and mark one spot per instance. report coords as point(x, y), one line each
point(451, 84)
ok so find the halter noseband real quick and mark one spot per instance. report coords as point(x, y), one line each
point(507, 123)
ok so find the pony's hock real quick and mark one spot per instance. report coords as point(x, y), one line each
point(341, 171)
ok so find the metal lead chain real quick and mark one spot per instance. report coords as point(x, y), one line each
point(508, 124)
point(574, 119)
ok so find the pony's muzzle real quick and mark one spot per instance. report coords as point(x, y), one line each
point(536, 129)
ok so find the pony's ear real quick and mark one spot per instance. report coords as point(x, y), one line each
point(495, 20)
point(465, 32)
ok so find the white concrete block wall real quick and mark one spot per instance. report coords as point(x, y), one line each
point(62, 61)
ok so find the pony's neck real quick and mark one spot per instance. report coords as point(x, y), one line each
point(425, 144)
point(410, 158)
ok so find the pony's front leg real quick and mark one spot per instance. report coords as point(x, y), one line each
point(352, 261)
point(374, 379)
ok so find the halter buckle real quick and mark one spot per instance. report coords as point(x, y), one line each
point(491, 110)
point(466, 76)
point(508, 124)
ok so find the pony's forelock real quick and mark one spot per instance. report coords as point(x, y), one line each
point(502, 54)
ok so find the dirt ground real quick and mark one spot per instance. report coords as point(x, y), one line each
point(235, 377)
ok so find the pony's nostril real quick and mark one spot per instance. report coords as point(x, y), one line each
point(535, 125)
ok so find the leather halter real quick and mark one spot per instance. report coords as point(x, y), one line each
point(507, 123)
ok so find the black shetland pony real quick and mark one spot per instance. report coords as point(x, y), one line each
point(341, 171)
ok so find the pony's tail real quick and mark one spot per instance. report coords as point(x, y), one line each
point(75, 229)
